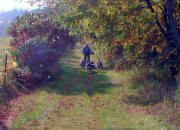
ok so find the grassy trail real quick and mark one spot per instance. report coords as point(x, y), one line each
point(78, 101)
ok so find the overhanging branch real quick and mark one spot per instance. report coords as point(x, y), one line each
point(149, 6)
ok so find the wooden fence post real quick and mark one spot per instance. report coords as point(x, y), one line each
point(5, 70)
point(3, 88)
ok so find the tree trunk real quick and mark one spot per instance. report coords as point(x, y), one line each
point(149, 6)
point(170, 31)
point(173, 35)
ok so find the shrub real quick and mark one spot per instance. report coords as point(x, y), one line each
point(177, 95)
point(37, 44)
point(150, 87)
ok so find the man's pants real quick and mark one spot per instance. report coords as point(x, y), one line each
point(87, 57)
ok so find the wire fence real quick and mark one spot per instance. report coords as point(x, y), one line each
point(5, 68)
point(5, 71)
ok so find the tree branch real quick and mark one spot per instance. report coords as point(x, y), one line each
point(154, 3)
point(149, 5)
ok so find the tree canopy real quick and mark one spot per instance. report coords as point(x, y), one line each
point(146, 30)
point(136, 32)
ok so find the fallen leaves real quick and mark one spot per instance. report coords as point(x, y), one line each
point(97, 105)
point(66, 103)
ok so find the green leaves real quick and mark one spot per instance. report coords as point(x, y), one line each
point(130, 21)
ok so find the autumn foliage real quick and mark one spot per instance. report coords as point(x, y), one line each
point(37, 44)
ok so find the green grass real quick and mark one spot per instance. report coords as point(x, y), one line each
point(78, 101)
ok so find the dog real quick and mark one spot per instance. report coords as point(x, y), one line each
point(82, 63)
point(89, 67)
point(99, 64)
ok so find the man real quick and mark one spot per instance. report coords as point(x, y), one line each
point(87, 51)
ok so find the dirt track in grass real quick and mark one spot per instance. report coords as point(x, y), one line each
point(78, 101)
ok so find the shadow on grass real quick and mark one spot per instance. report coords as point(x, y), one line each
point(76, 81)
point(111, 128)
point(139, 100)
point(69, 55)
point(150, 92)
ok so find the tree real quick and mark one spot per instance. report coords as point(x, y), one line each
point(145, 31)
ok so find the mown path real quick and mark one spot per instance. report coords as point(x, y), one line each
point(78, 101)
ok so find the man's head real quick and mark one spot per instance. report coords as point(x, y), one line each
point(87, 45)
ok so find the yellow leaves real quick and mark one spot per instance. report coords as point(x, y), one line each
point(159, 50)
point(14, 64)
point(106, 2)
point(79, 1)
point(86, 23)
point(155, 47)
point(156, 8)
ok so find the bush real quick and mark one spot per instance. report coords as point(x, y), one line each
point(150, 88)
point(177, 95)
point(38, 42)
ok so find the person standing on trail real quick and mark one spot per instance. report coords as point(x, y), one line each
point(87, 51)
